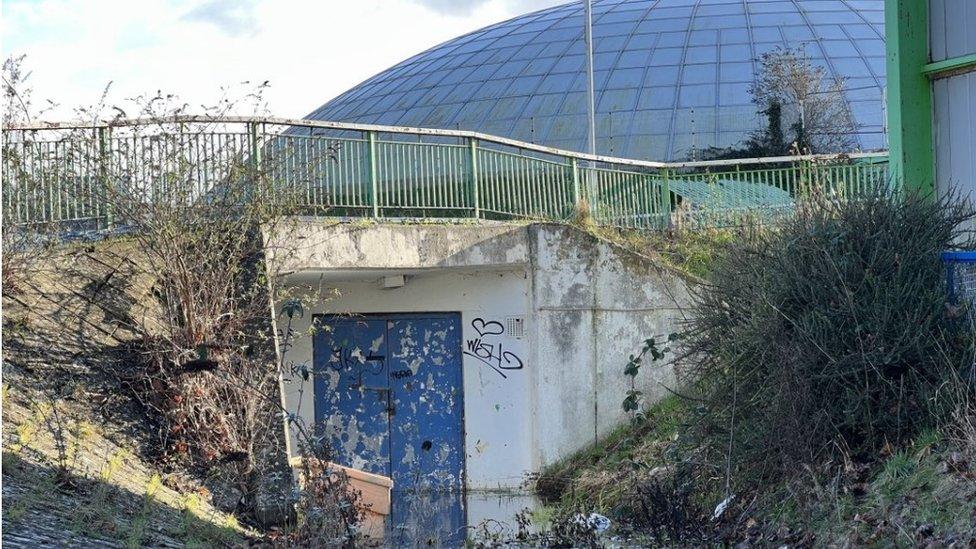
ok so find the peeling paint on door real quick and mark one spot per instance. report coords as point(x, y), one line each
point(427, 422)
point(388, 397)
point(351, 391)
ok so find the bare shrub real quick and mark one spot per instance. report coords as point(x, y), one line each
point(328, 515)
point(668, 509)
point(21, 246)
point(193, 202)
point(827, 335)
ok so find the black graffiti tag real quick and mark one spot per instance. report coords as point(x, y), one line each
point(490, 352)
point(355, 363)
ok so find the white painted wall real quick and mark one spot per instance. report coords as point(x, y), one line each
point(588, 305)
point(498, 435)
point(594, 306)
point(954, 103)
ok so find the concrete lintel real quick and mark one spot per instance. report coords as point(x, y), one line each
point(322, 246)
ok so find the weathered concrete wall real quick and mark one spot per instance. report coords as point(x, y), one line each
point(587, 305)
point(594, 304)
point(327, 245)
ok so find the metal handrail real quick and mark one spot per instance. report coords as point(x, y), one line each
point(466, 134)
point(480, 175)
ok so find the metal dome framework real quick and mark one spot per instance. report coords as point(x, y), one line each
point(671, 76)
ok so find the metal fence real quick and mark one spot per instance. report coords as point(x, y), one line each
point(66, 174)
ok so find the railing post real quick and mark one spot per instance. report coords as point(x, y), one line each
point(475, 195)
point(373, 182)
point(254, 132)
point(103, 184)
point(665, 198)
point(574, 167)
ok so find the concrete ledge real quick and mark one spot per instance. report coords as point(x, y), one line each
point(308, 245)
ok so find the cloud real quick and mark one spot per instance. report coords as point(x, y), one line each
point(453, 7)
point(158, 45)
point(234, 17)
point(463, 8)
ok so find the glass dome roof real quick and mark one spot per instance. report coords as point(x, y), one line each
point(672, 76)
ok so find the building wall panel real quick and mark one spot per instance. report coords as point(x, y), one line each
point(951, 29)
point(954, 103)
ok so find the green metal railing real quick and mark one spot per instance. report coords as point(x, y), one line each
point(61, 174)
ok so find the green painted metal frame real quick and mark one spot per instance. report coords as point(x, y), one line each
point(950, 67)
point(394, 173)
point(911, 151)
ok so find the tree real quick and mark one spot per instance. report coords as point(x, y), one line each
point(789, 85)
point(789, 90)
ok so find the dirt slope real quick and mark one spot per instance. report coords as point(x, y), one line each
point(76, 448)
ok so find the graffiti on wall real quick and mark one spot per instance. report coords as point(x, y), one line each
point(353, 360)
point(488, 348)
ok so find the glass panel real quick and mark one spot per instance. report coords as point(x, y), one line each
point(617, 100)
point(633, 59)
point(736, 52)
point(656, 97)
point(703, 38)
point(720, 9)
point(701, 54)
point(661, 76)
point(625, 78)
point(666, 56)
point(699, 74)
point(736, 72)
point(698, 95)
point(734, 36)
point(672, 39)
point(544, 105)
point(850, 66)
point(541, 65)
point(734, 94)
point(838, 48)
point(773, 19)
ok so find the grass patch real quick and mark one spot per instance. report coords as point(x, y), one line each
point(692, 252)
point(599, 477)
point(912, 497)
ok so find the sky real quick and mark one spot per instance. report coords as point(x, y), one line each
point(308, 51)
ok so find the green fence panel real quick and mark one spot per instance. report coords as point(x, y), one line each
point(70, 180)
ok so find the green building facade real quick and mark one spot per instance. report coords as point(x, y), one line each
point(931, 87)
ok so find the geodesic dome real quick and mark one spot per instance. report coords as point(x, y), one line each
point(672, 76)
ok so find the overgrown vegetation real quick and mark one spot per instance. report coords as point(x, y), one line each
point(828, 336)
point(827, 393)
point(187, 208)
point(600, 478)
point(691, 251)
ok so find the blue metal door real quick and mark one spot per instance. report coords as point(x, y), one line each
point(388, 397)
point(425, 384)
point(352, 392)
